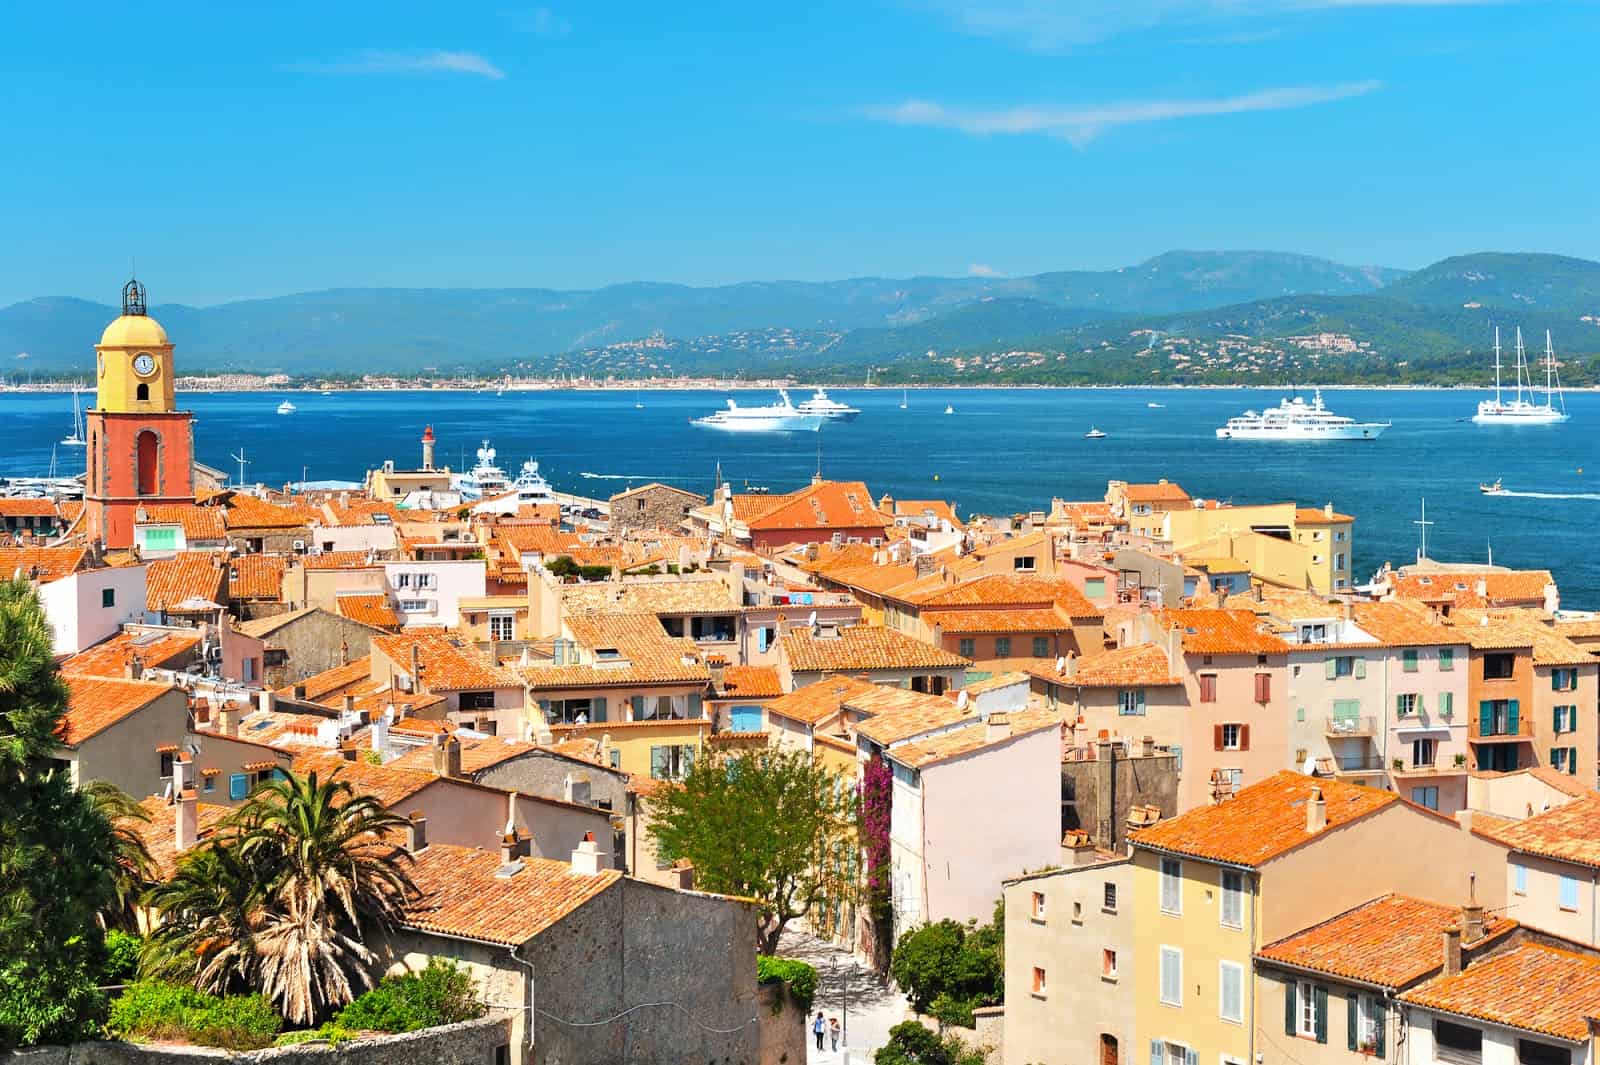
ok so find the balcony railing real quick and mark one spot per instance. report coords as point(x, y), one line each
point(1357, 765)
point(1353, 726)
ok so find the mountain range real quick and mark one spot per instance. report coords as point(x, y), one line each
point(1130, 324)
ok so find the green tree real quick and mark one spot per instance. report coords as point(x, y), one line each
point(56, 875)
point(769, 825)
point(132, 870)
point(951, 968)
point(912, 1044)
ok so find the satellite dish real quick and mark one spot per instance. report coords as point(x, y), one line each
point(811, 622)
point(961, 700)
point(1061, 663)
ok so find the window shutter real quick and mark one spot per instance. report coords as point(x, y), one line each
point(1216, 737)
point(1330, 668)
point(1244, 737)
point(1351, 1020)
point(1558, 715)
point(1422, 706)
point(1399, 705)
point(658, 763)
point(1485, 718)
point(238, 786)
point(1361, 669)
point(1447, 703)
point(1263, 687)
point(1191, 1057)
point(1141, 700)
point(1380, 1025)
point(597, 709)
point(1511, 717)
point(1291, 997)
point(1555, 680)
point(694, 705)
point(638, 707)
point(1155, 1052)
point(1320, 1005)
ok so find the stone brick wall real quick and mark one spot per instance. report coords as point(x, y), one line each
point(313, 643)
point(658, 507)
point(472, 1043)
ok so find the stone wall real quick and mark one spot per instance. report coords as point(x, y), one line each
point(472, 1043)
point(313, 643)
point(783, 1025)
point(652, 507)
point(1145, 780)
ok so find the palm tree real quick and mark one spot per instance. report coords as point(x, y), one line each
point(334, 873)
point(210, 910)
point(131, 865)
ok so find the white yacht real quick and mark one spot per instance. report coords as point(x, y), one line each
point(530, 489)
point(831, 409)
point(1520, 411)
point(1295, 419)
point(484, 479)
point(1094, 434)
point(287, 408)
point(782, 417)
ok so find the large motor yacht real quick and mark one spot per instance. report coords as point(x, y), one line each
point(832, 409)
point(782, 417)
point(1295, 419)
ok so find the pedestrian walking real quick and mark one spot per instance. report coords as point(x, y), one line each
point(833, 1033)
point(819, 1026)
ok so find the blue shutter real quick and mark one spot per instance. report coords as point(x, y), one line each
point(1511, 718)
point(544, 709)
point(695, 709)
point(1485, 718)
point(238, 786)
point(1380, 1025)
point(1191, 1057)
point(1155, 1052)
point(761, 639)
point(1141, 700)
point(746, 718)
point(638, 707)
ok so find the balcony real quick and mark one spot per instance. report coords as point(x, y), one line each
point(1444, 767)
point(1365, 765)
point(1349, 727)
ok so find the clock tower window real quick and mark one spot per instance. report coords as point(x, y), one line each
point(149, 462)
point(142, 392)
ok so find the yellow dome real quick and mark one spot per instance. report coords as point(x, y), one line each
point(134, 331)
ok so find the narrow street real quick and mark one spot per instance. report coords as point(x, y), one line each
point(849, 991)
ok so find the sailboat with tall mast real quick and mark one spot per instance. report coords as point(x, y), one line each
point(77, 438)
point(1521, 410)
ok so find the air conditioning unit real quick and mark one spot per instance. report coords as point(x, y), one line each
point(300, 545)
point(214, 654)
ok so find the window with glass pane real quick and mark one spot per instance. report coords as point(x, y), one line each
point(1041, 646)
point(1171, 976)
point(1232, 898)
point(1171, 885)
point(1002, 647)
point(1231, 997)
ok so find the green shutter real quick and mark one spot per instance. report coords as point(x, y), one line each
point(1141, 700)
point(1351, 1020)
point(1555, 679)
point(1330, 667)
point(1361, 669)
point(1556, 713)
point(597, 709)
point(638, 707)
point(1320, 1001)
point(658, 763)
point(1380, 1025)
point(1291, 992)
point(694, 705)
point(1511, 717)
point(1447, 703)
point(1421, 704)
point(1399, 705)
point(1485, 718)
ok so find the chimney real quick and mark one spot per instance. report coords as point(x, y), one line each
point(186, 831)
point(380, 730)
point(416, 832)
point(267, 700)
point(1147, 746)
point(348, 751)
point(427, 448)
point(1482, 588)
point(134, 669)
point(227, 719)
point(586, 859)
point(510, 848)
point(997, 727)
point(349, 704)
point(682, 876)
point(1316, 812)
point(718, 666)
point(299, 693)
point(1081, 845)
point(416, 669)
point(1327, 510)
point(447, 758)
point(1472, 924)
point(1452, 951)
point(511, 813)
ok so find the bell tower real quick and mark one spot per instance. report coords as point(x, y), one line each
point(141, 447)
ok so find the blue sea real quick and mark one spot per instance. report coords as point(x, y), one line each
point(1002, 451)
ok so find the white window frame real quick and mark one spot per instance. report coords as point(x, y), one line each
point(1173, 955)
point(1366, 1021)
point(1038, 903)
point(1175, 879)
point(1238, 735)
point(1305, 1009)
point(1224, 968)
point(508, 621)
point(1236, 897)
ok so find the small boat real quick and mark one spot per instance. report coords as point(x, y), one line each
point(76, 439)
point(902, 399)
point(287, 408)
point(638, 401)
point(1153, 405)
point(1492, 489)
point(949, 409)
point(1094, 434)
point(325, 392)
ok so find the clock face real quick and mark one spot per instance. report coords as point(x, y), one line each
point(144, 364)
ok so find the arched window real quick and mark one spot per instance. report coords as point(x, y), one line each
point(143, 392)
point(149, 454)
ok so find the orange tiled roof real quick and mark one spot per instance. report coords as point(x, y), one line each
point(1531, 986)
point(51, 563)
point(1569, 833)
point(1316, 516)
point(1164, 492)
point(110, 658)
point(448, 662)
point(1010, 590)
point(829, 505)
point(1461, 586)
point(333, 681)
point(1024, 619)
point(858, 647)
point(819, 701)
point(339, 560)
point(245, 511)
point(895, 715)
point(1223, 632)
point(937, 509)
point(462, 894)
point(27, 508)
point(1142, 665)
point(371, 610)
point(476, 755)
point(385, 783)
point(1397, 625)
point(186, 575)
point(256, 577)
point(1520, 628)
point(1393, 941)
point(1263, 820)
point(970, 739)
point(160, 833)
point(94, 704)
point(199, 523)
point(751, 682)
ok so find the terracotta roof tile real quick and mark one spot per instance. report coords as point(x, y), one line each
point(1522, 628)
point(819, 701)
point(256, 577)
point(27, 508)
point(245, 511)
point(1315, 516)
point(1006, 590)
point(687, 595)
point(1222, 632)
point(332, 681)
point(896, 715)
point(970, 739)
point(1395, 624)
point(46, 563)
point(371, 610)
point(390, 786)
point(198, 523)
point(1501, 588)
point(937, 509)
point(200, 575)
point(1014, 619)
point(449, 663)
point(476, 755)
point(94, 704)
point(858, 647)
point(1141, 665)
point(751, 682)
point(461, 894)
point(1569, 833)
point(644, 654)
point(110, 658)
point(1531, 986)
point(1262, 821)
point(1164, 492)
point(825, 506)
point(340, 560)
point(1394, 940)
point(160, 833)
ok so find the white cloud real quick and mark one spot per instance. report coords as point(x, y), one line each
point(1081, 124)
point(436, 62)
point(983, 270)
point(1056, 25)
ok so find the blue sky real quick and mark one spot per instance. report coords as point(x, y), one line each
point(240, 152)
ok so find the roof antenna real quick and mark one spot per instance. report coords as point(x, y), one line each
point(817, 477)
point(239, 458)
point(1423, 523)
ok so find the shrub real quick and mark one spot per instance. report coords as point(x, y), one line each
point(439, 994)
point(122, 957)
point(801, 977)
point(912, 1044)
point(155, 1010)
point(958, 965)
point(949, 1010)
